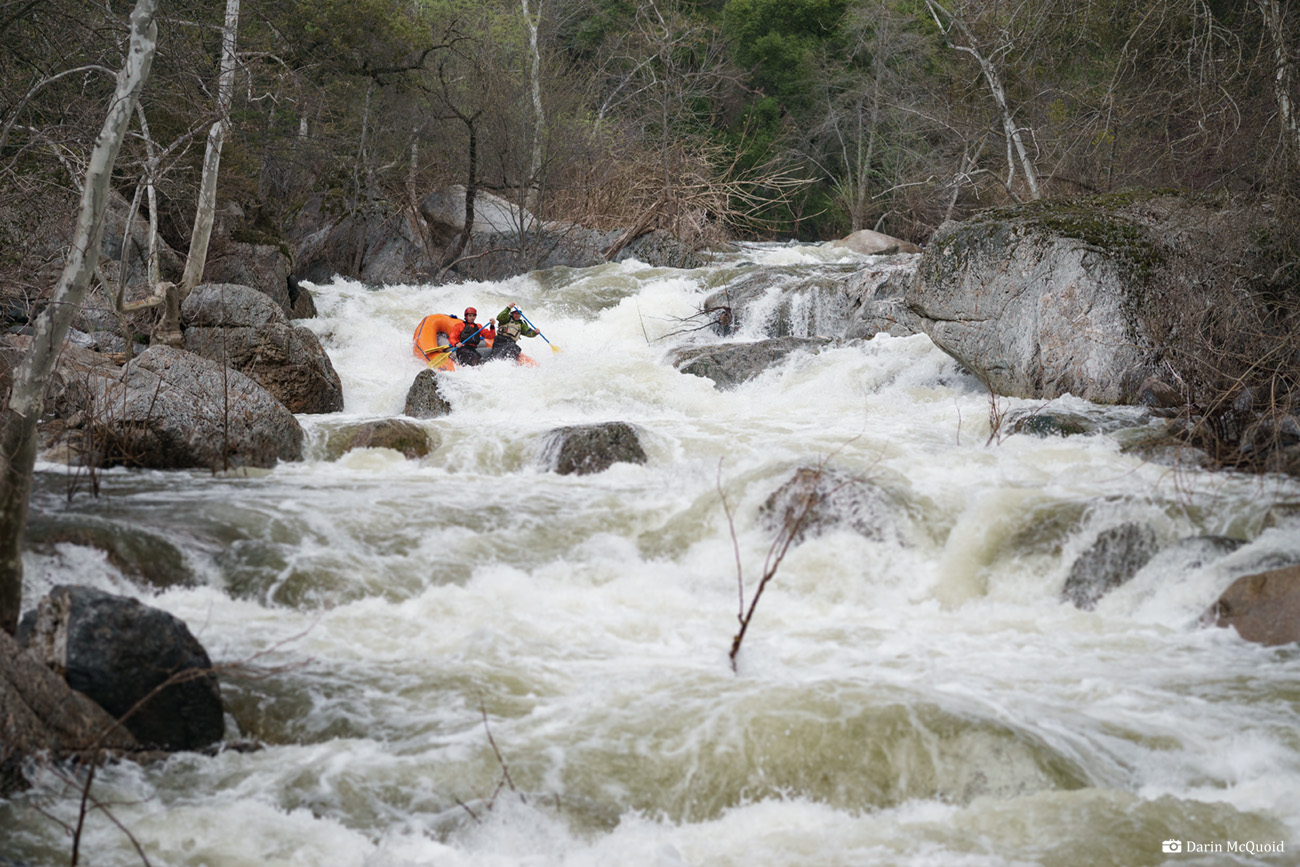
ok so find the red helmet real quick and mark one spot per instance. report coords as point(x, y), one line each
point(470, 311)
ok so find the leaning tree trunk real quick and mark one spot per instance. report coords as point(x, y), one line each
point(27, 399)
point(471, 192)
point(205, 212)
point(539, 115)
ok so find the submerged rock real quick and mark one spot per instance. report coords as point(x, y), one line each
point(1114, 558)
point(817, 500)
point(140, 554)
point(406, 437)
point(1049, 420)
point(1263, 608)
point(120, 654)
point(731, 364)
point(593, 448)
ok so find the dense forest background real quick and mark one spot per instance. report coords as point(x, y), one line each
point(708, 119)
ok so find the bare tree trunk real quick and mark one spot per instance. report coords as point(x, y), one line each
point(471, 191)
point(539, 115)
point(1283, 74)
point(359, 233)
point(206, 210)
point(994, 81)
point(26, 401)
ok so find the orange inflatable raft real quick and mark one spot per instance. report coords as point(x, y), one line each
point(437, 330)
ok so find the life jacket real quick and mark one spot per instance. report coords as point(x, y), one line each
point(474, 334)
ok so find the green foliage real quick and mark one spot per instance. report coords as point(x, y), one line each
point(780, 40)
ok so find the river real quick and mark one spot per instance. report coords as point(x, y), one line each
point(468, 659)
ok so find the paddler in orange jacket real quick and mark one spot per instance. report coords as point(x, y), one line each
point(466, 340)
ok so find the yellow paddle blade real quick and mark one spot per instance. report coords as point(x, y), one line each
point(436, 357)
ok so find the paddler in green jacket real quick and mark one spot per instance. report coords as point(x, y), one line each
point(510, 325)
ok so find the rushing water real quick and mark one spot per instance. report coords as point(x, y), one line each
point(918, 695)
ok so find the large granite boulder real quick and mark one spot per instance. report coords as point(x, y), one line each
point(245, 330)
point(1075, 296)
point(140, 664)
point(593, 448)
point(1264, 607)
point(261, 265)
point(42, 716)
point(171, 409)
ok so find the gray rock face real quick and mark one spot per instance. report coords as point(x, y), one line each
point(1032, 311)
point(243, 329)
point(264, 267)
point(1076, 296)
point(120, 653)
point(229, 305)
point(172, 409)
point(731, 364)
point(1112, 561)
point(423, 400)
point(585, 449)
point(1264, 607)
point(41, 715)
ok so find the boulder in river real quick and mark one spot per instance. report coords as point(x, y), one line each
point(245, 330)
point(423, 399)
point(871, 243)
point(140, 664)
point(41, 715)
point(1111, 561)
point(171, 409)
point(730, 364)
point(593, 448)
point(1263, 608)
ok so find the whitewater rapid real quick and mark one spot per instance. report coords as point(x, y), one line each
point(413, 631)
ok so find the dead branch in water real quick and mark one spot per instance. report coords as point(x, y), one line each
point(791, 532)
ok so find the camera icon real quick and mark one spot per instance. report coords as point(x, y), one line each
point(1171, 846)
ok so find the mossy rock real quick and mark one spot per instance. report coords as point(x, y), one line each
point(409, 438)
